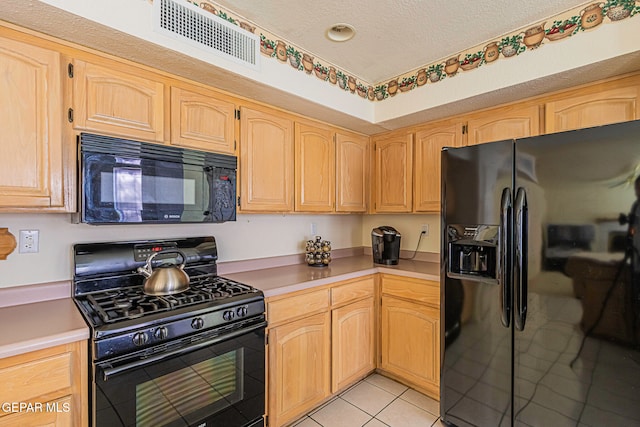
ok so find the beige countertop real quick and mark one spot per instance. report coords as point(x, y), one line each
point(285, 279)
point(29, 323)
point(38, 325)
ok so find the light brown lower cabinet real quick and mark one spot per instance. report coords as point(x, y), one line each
point(320, 342)
point(410, 328)
point(299, 367)
point(51, 383)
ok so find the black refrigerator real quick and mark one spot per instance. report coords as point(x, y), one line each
point(540, 269)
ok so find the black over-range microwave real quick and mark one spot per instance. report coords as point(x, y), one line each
point(124, 181)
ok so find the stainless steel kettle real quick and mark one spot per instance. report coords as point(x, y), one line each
point(166, 279)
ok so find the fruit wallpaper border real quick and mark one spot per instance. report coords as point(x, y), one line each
point(571, 23)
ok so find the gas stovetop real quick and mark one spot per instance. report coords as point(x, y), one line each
point(129, 303)
point(123, 319)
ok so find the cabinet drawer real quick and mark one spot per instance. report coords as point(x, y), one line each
point(425, 291)
point(296, 306)
point(352, 291)
point(35, 378)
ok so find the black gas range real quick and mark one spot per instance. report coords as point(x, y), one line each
point(190, 358)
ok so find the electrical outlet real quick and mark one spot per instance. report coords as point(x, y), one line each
point(425, 229)
point(29, 241)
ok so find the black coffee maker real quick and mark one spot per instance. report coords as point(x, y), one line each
point(385, 241)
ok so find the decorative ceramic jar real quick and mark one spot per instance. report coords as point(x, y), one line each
point(591, 16)
point(281, 51)
point(294, 60)
point(307, 63)
point(208, 7)
point(392, 87)
point(451, 65)
point(333, 77)
point(491, 52)
point(618, 12)
point(247, 27)
point(533, 36)
point(370, 95)
point(421, 78)
point(352, 84)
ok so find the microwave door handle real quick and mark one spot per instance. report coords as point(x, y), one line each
point(208, 171)
point(504, 247)
point(521, 262)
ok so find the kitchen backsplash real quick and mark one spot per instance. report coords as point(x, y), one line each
point(250, 237)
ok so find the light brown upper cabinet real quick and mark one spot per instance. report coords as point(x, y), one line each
point(600, 104)
point(502, 123)
point(266, 161)
point(118, 99)
point(393, 173)
point(352, 172)
point(315, 168)
point(428, 149)
point(202, 120)
point(31, 143)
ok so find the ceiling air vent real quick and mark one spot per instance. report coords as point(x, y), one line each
point(206, 31)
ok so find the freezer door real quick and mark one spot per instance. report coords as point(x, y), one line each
point(476, 341)
point(576, 335)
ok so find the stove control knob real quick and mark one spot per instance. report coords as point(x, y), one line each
point(140, 338)
point(161, 333)
point(228, 315)
point(241, 311)
point(197, 323)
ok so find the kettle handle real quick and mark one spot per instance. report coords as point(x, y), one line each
point(148, 269)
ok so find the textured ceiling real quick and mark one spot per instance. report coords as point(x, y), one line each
point(393, 37)
point(306, 27)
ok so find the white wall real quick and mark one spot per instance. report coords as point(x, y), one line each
point(251, 236)
point(409, 226)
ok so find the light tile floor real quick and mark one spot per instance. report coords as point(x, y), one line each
point(376, 401)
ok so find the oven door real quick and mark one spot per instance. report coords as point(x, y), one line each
point(212, 382)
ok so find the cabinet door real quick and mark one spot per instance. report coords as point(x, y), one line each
point(202, 121)
point(352, 172)
point(315, 168)
point(57, 413)
point(56, 377)
point(503, 123)
point(352, 349)
point(600, 106)
point(428, 148)
point(299, 367)
point(119, 100)
point(266, 162)
point(411, 343)
point(393, 173)
point(31, 147)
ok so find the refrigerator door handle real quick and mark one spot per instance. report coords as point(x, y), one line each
point(521, 261)
point(504, 269)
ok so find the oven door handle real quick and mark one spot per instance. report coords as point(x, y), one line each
point(109, 371)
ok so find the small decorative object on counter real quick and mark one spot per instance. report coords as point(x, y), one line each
point(318, 252)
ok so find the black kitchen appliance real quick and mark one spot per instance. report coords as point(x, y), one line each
point(524, 344)
point(124, 181)
point(194, 358)
point(385, 242)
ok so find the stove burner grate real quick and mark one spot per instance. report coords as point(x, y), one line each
point(130, 302)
